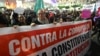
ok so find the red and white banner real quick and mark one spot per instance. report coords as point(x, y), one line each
point(65, 39)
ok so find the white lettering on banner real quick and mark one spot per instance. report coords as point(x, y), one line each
point(54, 36)
point(62, 34)
point(43, 37)
point(78, 29)
point(34, 42)
point(48, 38)
point(26, 44)
point(11, 47)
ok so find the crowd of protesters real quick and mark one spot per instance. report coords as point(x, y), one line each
point(29, 17)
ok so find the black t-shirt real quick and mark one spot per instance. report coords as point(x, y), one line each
point(36, 22)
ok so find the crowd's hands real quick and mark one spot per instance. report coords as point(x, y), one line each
point(60, 21)
point(15, 26)
point(32, 24)
point(54, 22)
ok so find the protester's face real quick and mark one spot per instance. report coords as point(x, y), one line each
point(21, 19)
point(41, 15)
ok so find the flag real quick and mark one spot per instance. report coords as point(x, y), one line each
point(38, 5)
point(94, 11)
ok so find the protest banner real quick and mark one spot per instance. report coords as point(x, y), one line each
point(66, 39)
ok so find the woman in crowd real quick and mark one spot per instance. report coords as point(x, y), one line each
point(18, 20)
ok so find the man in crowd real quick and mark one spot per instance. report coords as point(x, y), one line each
point(41, 18)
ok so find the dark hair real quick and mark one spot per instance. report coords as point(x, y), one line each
point(3, 20)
